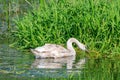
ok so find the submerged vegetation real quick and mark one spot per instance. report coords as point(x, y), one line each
point(93, 22)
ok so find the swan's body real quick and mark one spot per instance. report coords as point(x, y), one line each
point(55, 51)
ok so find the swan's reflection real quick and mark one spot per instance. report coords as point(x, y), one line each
point(66, 62)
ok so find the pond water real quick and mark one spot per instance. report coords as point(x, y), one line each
point(15, 63)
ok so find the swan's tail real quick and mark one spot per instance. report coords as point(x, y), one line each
point(32, 50)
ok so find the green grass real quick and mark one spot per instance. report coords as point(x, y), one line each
point(93, 22)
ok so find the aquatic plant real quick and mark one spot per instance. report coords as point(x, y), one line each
point(93, 22)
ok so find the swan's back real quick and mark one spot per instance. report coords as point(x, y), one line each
point(50, 48)
point(50, 51)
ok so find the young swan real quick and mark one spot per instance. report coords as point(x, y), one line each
point(56, 51)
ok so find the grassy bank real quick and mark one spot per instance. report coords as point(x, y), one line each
point(93, 22)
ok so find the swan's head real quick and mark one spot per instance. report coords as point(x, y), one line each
point(84, 48)
point(80, 45)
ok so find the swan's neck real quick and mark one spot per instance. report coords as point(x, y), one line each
point(70, 47)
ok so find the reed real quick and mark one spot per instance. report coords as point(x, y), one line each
point(93, 22)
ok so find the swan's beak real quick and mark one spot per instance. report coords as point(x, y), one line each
point(87, 51)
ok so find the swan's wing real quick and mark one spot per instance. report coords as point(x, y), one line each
point(49, 48)
point(46, 48)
